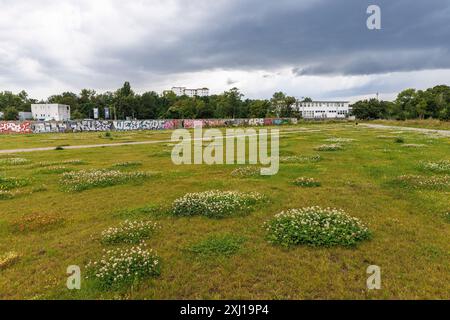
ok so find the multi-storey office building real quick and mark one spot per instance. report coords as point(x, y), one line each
point(181, 91)
point(324, 109)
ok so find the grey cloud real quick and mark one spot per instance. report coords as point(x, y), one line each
point(311, 37)
point(326, 37)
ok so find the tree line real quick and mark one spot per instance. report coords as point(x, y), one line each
point(409, 104)
point(125, 103)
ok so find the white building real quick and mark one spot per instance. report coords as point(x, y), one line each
point(324, 109)
point(200, 92)
point(50, 112)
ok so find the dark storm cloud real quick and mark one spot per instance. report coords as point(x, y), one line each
point(314, 37)
point(68, 45)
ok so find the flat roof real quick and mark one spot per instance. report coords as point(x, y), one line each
point(318, 101)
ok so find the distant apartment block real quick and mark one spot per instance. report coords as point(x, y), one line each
point(324, 109)
point(200, 92)
point(50, 112)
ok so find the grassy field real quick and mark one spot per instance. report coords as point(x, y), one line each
point(8, 142)
point(428, 124)
point(204, 258)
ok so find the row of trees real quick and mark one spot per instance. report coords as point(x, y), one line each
point(125, 103)
point(410, 104)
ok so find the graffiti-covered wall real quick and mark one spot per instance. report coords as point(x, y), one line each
point(132, 125)
point(16, 127)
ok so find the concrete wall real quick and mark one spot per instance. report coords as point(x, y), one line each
point(28, 127)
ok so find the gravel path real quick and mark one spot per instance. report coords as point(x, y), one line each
point(445, 133)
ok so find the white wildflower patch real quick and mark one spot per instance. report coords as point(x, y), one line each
point(129, 232)
point(436, 166)
point(73, 162)
point(54, 170)
point(315, 226)
point(413, 145)
point(243, 172)
point(306, 182)
point(300, 159)
point(329, 147)
point(339, 140)
point(124, 266)
point(13, 161)
point(5, 195)
point(431, 182)
point(127, 164)
point(86, 179)
point(215, 203)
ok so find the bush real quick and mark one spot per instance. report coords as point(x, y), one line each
point(218, 245)
point(129, 232)
point(306, 182)
point(215, 204)
point(87, 179)
point(315, 226)
point(124, 266)
point(329, 147)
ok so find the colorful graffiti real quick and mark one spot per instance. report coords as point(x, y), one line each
point(16, 127)
point(132, 125)
point(145, 125)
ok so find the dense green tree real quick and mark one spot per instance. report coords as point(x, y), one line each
point(10, 113)
point(260, 109)
point(18, 101)
point(409, 104)
point(124, 102)
point(283, 105)
point(370, 109)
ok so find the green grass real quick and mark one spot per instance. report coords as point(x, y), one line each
point(217, 246)
point(409, 229)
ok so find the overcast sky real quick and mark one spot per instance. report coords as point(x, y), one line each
point(316, 48)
